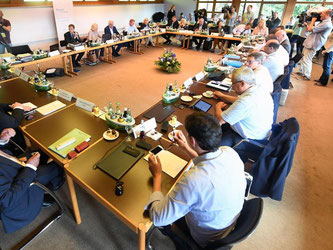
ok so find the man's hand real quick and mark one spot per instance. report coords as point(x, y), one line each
point(155, 165)
point(181, 140)
point(19, 105)
point(218, 95)
point(314, 19)
point(218, 111)
point(34, 160)
point(7, 133)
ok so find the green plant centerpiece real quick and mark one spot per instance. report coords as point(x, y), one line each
point(168, 62)
point(40, 82)
point(171, 93)
point(210, 67)
point(119, 120)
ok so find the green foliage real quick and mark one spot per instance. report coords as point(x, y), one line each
point(169, 62)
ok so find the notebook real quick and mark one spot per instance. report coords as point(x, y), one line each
point(160, 112)
point(51, 107)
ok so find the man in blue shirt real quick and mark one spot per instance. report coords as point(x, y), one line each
point(208, 198)
point(315, 41)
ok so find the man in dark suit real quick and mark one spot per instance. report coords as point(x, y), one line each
point(112, 30)
point(20, 203)
point(73, 37)
point(274, 22)
point(13, 120)
point(201, 25)
point(172, 24)
point(283, 40)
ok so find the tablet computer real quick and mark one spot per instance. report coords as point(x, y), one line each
point(202, 106)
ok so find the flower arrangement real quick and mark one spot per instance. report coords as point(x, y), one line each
point(168, 62)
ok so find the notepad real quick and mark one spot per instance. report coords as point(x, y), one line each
point(30, 105)
point(76, 134)
point(51, 107)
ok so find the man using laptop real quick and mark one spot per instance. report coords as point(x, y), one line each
point(207, 200)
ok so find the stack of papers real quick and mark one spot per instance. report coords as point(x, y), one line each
point(51, 107)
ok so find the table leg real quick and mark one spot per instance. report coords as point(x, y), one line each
point(142, 236)
point(64, 61)
point(226, 43)
point(72, 193)
point(188, 42)
point(71, 68)
point(157, 42)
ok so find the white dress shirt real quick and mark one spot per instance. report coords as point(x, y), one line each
point(283, 55)
point(240, 30)
point(132, 29)
point(251, 115)
point(263, 79)
point(274, 64)
point(210, 196)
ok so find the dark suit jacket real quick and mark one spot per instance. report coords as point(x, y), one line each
point(273, 23)
point(175, 25)
point(70, 39)
point(10, 121)
point(143, 26)
point(204, 26)
point(19, 203)
point(107, 30)
point(286, 44)
point(171, 14)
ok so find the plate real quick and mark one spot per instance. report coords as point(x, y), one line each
point(170, 135)
point(109, 137)
point(208, 94)
point(186, 98)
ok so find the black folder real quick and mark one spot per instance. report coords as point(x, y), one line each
point(160, 112)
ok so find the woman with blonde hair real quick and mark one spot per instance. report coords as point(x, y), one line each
point(144, 26)
point(182, 26)
point(261, 29)
point(94, 36)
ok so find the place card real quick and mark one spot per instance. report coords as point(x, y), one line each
point(188, 82)
point(24, 77)
point(146, 127)
point(65, 95)
point(81, 47)
point(86, 105)
point(54, 53)
point(199, 76)
point(17, 71)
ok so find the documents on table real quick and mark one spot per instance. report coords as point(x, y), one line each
point(30, 105)
point(171, 163)
point(51, 107)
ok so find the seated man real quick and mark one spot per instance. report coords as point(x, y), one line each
point(283, 39)
point(172, 24)
point(131, 29)
point(112, 31)
point(19, 202)
point(73, 37)
point(262, 75)
point(273, 61)
point(13, 120)
point(282, 53)
point(242, 29)
point(202, 202)
point(250, 115)
point(201, 25)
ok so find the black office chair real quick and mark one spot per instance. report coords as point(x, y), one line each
point(54, 217)
point(276, 95)
point(63, 43)
point(21, 49)
point(286, 80)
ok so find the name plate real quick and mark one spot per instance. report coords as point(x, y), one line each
point(109, 41)
point(17, 71)
point(81, 103)
point(199, 76)
point(24, 77)
point(65, 95)
point(81, 47)
point(188, 82)
point(54, 53)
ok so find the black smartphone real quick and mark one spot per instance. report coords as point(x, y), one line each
point(165, 126)
point(156, 150)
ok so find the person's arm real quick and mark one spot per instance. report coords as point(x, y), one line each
point(14, 120)
point(218, 112)
point(182, 143)
point(311, 25)
point(320, 27)
point(7, 26)
point(224, 97)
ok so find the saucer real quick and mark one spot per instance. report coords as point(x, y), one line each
point(208, 94)
point(109, 136)
point(186, 98)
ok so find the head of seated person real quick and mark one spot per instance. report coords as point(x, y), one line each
point(270, 37)
point(281, 35)
point(94, 27)
point(201, 21)
point(183, 22)
point(242, 79)
point(204, 132)
point(111, 24)
point(271, 46)
point(132, 22)
point(174, 19)
point(145, 21)
point(248, 26)
point(71, 28)
point(254, 60)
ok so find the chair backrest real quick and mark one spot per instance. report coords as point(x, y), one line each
point(247, 222)
point(63, 43)
point(21, 49)
point(274, 163)
point(286, 79)
point(54, 47)
point(276, 95)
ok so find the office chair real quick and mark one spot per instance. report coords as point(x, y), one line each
point(276, 95)
point(286, 80)
point(56, 216)
point(272, 161)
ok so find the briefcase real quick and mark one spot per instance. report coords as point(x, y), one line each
point(207, 45)
point(92, 57)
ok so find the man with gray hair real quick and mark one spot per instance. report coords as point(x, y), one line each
point(315, 41)
point(250, 115)
point(263, 78)
point(282, 37)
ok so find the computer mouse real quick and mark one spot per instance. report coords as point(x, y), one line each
point(119, 188)
point(29, 117)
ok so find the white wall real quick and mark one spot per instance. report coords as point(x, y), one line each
point(36, 26)
point(185, 6)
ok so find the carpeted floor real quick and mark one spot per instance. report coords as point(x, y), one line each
point(302, 220)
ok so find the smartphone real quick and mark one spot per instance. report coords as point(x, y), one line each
point(156, 150)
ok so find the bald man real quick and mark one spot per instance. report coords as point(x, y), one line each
point(5, 28)
point(273, 61)
point(282, 37)
point(112, 30)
